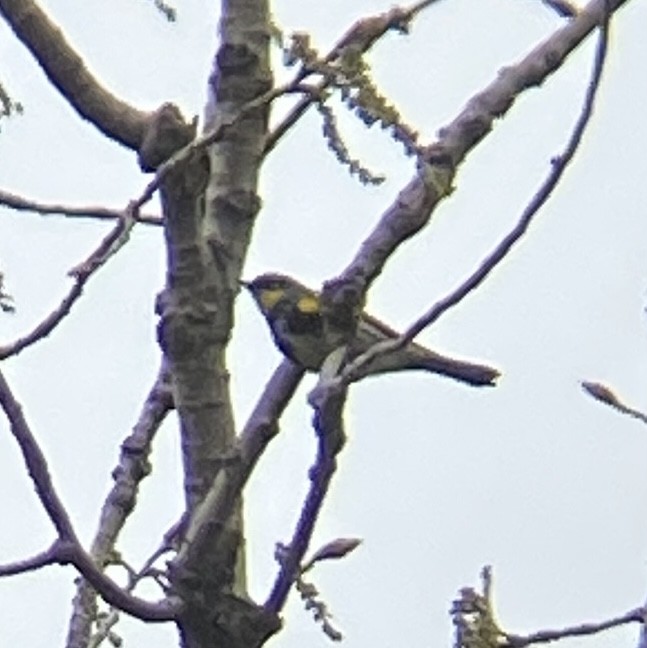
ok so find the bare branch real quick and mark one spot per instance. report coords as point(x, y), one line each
point(19, 203)
point(106, 621)
point(35, 462)
point(605, 395)
point(642, 641)
point(68, 73)
point(361, 36)
point(476, 624)
point(81, 273)
point(563, 8)
point(580, 630)
point(328, 403)
point(558, 167)
point(133, 465)
point(38, 561)
point(165, 610)
point(414, 206)
point(260, 429)
point(67, 549)
point(215, 134)
point(132, 468)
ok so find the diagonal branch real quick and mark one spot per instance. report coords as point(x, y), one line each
point(328, 404)
point(68, 73)
point(36, 463)
point(67, 549)
point(218, 132)
point(81, 273)
point(558, 167)
point(414, 206)
point(261, 428)
point(114, 594)
point(133, 467)
point(361, 37)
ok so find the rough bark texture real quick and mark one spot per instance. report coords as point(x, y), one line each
point(210, 203)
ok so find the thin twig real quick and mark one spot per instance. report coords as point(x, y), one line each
point(562, 8)
point(111, 619)
point(216, 134)
point(580, 630)
point(642, 641)
point(365, 32)
point(603, 394)
point(362, 36)
point(19, 203)
point(38, 561)
point(81, 273)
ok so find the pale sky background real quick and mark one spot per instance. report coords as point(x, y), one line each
point(532, 477)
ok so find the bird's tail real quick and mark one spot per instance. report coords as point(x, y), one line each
point(417, 357)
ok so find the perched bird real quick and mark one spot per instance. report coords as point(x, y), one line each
point(301, 330)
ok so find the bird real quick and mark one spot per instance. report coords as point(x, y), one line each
point(306, 332)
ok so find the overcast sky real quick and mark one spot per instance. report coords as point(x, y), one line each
point(532, 477)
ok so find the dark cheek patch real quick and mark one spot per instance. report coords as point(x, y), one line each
point(304, 323)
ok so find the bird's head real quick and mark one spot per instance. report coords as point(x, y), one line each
point(272, 287)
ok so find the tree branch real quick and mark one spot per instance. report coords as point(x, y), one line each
point(261, 428)
point(64, 552)
point(132, 468)
point(414, 206)
point(361, 36)
point(605, 395)
point(113, 594)
point(34, 563)
point(68, 549)
point(81, 273)
point(221, 129)
point(67, 71)
point(580, 630)
point(19, 203)
point(416, 202)
point(36, 463)
point(328, 404)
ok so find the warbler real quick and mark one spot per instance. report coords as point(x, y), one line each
point(300, 330)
